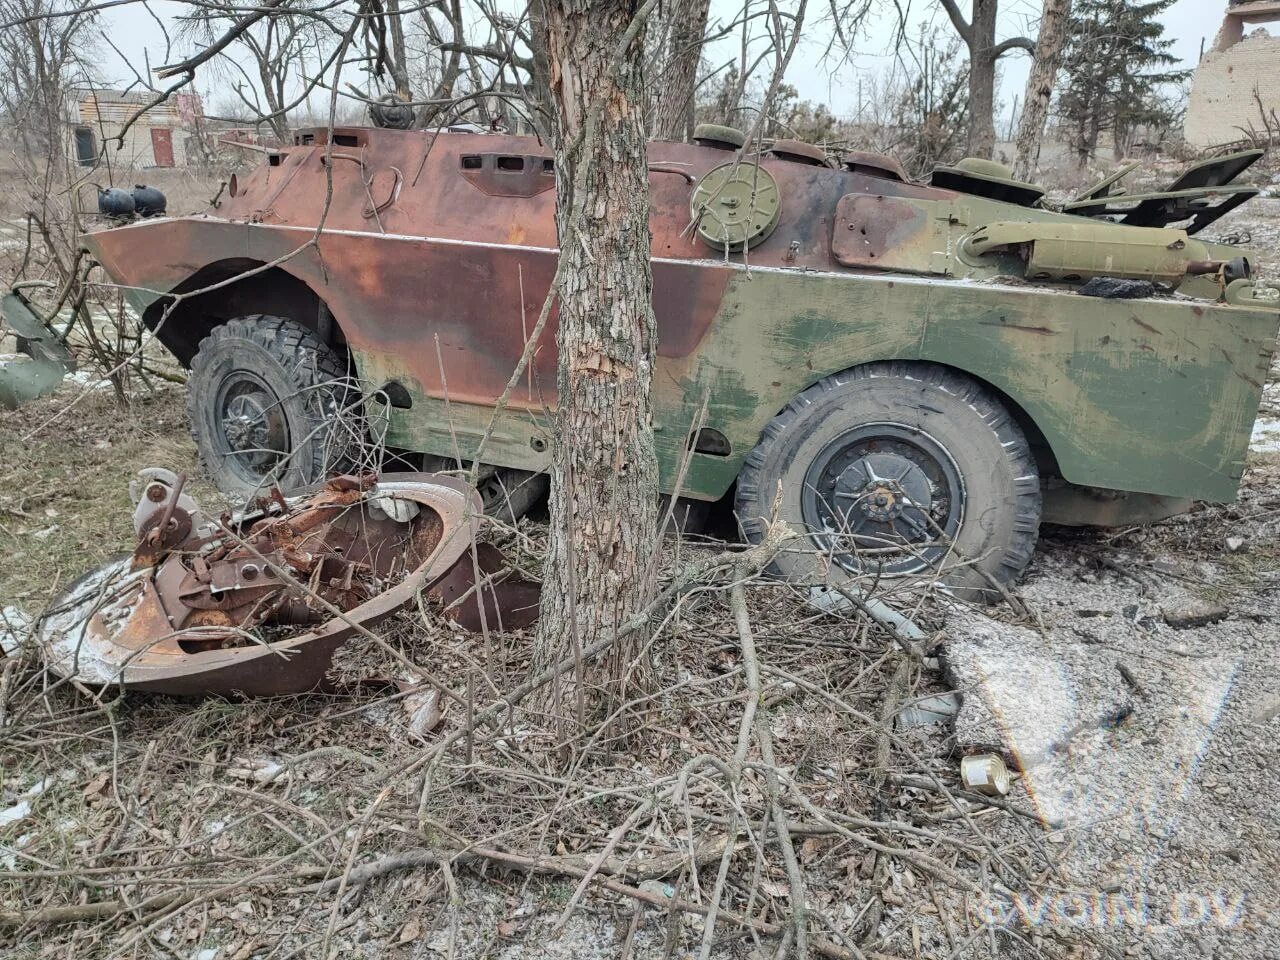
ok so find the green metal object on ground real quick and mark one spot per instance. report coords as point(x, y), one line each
point(43, 360)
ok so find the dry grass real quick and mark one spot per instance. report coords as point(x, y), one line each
point(64, 499)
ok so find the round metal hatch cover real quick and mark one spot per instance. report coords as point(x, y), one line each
point(736, 205)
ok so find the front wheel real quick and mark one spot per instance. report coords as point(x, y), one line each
point(269, 406)
point(896, 470)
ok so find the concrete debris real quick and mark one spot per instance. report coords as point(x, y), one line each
point(1021, 698)
point(1187, 612)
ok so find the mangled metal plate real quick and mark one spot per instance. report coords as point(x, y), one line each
point(257, 604)
point(42, 358)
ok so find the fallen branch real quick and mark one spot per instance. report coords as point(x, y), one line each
point(95, 910)
point(423, 857)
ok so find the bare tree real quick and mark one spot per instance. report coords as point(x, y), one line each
point(604, 472)
point(922, 113)
point(1040, 83)
point(41, 57)
point(979, 36)
point(678, 78)
point(276, 49)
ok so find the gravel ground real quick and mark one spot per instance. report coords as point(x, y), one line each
point(1156, 746)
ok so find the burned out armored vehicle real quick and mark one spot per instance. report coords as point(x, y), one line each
point(914, 366)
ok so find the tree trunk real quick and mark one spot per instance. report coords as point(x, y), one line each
point(1095, 131)
point(673, 114)
point(399, 65)
point(539, 86)
point(604, 473)
point(1040, 84)
point(982, 80)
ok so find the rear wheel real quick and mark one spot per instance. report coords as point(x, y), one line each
point(268, 400)
point(896, 470)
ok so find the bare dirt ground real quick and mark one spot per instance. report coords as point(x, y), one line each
point(1143, 824)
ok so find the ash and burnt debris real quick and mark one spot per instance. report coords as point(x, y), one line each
point(258, 603)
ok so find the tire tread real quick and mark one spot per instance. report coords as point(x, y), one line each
point(308, 362)
point(989, 410)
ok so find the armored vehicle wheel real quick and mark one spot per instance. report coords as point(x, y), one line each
point(264, 396)
point(893, 470)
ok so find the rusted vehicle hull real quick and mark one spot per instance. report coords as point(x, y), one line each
point(1153, 395)
point(937, 331)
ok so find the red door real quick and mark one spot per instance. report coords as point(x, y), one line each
point(162, 146)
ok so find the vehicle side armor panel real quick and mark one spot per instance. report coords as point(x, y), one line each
point(441, 281)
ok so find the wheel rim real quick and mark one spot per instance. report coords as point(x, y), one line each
point(250, 426)
point(883, 497)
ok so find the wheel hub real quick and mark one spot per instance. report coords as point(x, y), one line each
point(883, 496)
point(252, 424)
point(882, 486)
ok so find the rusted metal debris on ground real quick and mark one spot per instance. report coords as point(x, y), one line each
point(258, 603)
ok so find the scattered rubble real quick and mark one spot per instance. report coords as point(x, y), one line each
point(1185, 612)
point(1024, 698)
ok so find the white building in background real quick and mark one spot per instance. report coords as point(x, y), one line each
point(169, 134)
point(1237, 85)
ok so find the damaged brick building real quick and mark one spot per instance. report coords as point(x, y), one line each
point(1236, 90)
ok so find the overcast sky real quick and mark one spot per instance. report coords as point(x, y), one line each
point(1187, 23)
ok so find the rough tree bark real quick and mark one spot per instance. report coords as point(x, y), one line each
point(982, 79)
point(979, 36)
point(604, 469)
point(1040, 84)
point(673, 112)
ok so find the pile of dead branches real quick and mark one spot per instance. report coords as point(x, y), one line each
point(765, 792)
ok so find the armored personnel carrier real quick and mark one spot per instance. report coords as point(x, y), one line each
point(919, 373)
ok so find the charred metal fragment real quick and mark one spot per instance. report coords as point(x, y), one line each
point(257, 604)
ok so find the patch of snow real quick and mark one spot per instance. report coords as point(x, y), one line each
point(1266, 435)
point(86, 378)
point(22, 808)
point(9, 854)
point(19, 811)
point(15, 628)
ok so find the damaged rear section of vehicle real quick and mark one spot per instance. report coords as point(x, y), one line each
point(257, 604)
